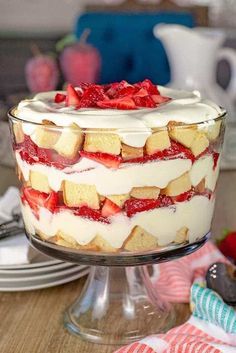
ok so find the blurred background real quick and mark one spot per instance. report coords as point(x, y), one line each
point(44, 44)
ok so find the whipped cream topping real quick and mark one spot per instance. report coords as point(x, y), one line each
point(186, 107)
point(163, 223)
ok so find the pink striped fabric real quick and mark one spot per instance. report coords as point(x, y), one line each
point(175, 278)
point(173, 282)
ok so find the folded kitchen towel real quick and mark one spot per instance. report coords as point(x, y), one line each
point(15, 250)
point(212, 325)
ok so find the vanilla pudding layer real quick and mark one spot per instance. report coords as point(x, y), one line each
point(122, 180)
point(162, 223)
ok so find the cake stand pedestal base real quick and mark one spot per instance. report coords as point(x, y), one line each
point(119, 305)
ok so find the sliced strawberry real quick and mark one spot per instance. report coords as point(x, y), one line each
point(91, 96)
point(141, 92)
point(125, 103)
point(185, 196)
point(52, 201)
point(59, 98)
point(158, 99)
point(38, 199)
point(72, 98)
point(165, 201)
point(106, 159)
point(216, 156)
point(94, 215)
point(149, 86)
point(112, 89)
point(126, 91)
point(110, 208)
point(145, 102)
point(133, 206)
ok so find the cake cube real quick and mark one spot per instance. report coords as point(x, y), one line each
point(139, 239)
point(70, 141)
point(39, 181)
point(129, 152)
point(18, 132)
point(100, 244)
point(200, 143)
point(119, 200)
point(183, 135)
point(146, 192)
point(213, 131)
point(181, 235)
point(76, 195)
point(200, 187)
point(67, 239)
point(102, 142)
point(45, 136)
point(178, 185)
point(158, 141)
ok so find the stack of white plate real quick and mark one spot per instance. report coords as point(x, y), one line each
point(46, 272)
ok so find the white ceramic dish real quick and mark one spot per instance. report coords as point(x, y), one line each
point(27, 286)
point(37, 270)
point(42, 276)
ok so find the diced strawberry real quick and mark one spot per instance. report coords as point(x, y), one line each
point(228, 245)
point(185, 196)
point(72, 98)
point(38, 199)
point(112, 89)
point(133, 206)
point(216, 156)
point(165, 201)
point(106, 159)
point(91, 96)
point(158, 99)
point(145, 102)
point(149, 86)
point(110, 208)
point(59, 98)
point(125, 103)
point(60, 162)
point(94, 215)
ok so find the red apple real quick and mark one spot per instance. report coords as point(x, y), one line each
point(80, 62)
point(42, 73)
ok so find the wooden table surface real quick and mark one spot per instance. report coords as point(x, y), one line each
point(31, 322)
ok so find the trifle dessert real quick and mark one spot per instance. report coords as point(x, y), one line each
point(119, 167)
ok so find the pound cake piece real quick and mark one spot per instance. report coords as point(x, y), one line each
point(70, 141)
point(46, 136)
point(178, 185)
point(18, 132)
point(213, 130)
point(139, 239)
point(119, 200)
point(146, 192)
point(158, 141)
point(129, 152)
point(76, 195)
point(181, 134)
point(181, 235)
point(39, 181)
point(102, 142)
point(199, 144)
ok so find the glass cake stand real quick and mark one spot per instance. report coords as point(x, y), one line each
point(119, 303)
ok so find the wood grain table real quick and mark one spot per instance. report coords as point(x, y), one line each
point(32, 322)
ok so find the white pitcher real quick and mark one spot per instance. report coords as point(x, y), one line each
point(193, 55)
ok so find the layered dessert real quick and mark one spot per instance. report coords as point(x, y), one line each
point(119, 167)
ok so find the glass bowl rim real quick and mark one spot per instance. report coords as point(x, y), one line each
point(178, 124)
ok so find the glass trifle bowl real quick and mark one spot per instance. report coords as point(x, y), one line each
point(118, 177)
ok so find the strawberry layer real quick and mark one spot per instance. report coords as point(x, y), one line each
point(163, 222)
point(122, 180)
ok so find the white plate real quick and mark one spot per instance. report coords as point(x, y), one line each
point(41, 276)
point(28, 287)
point(30, 265)
point(32, 271)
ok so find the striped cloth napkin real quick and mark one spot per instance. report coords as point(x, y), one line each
point(212, 325)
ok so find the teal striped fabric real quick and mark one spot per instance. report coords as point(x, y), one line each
point(208, 305)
